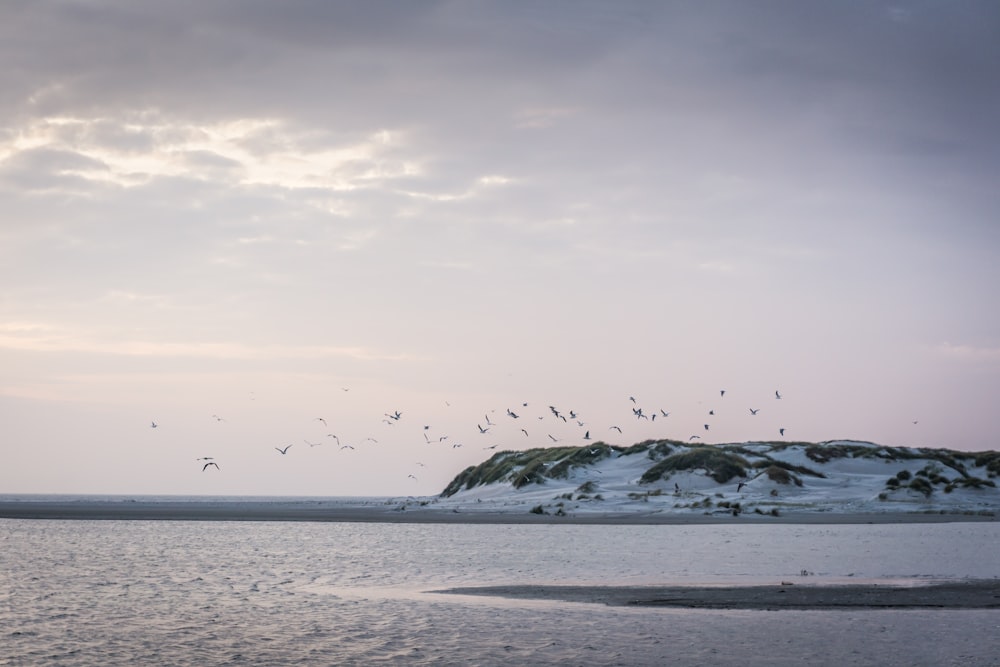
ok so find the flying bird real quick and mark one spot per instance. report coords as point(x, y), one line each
point(706, 427)
point(777, 394)
point(753, 412)
point(283, 451)
point(781, 431)
point(722, 392)
point(395, 415)
point(586, 436)
point(312, 444)
point(617, 428)
point(524, 432)
point(481, 429)
point(153, 425)
point(320, 419)
point(693, 437)
point(512, 414)
point(210, 463)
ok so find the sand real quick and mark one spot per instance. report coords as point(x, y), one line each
point(414, 512)
point(948, 595)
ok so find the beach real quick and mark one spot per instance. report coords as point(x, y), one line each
point(424, 511)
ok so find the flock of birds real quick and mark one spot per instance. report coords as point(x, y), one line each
point(488, 426)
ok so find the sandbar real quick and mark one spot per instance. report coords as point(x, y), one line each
point(966, 594)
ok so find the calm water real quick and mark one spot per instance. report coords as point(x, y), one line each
point(220, 593)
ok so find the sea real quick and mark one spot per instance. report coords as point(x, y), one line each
point(80, 592)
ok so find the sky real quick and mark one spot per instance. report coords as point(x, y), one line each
point(259, 224)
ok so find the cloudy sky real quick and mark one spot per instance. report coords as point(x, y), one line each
point(275, 212)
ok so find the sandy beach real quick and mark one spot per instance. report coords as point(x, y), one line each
point(410, 512)
point(786, 595)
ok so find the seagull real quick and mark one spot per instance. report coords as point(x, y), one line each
point(283, 451)
point(331, 435)
point(153, 425)
point(395, 415)
point(490, 447)
point(722, 392)
point(753, 412)
point(312, 444)
point(706, 427)
point(456, 445)
point(218, 418)
point(781, 431)
point(488, 422)
point(617, 428)
point(632, 398)
point(320, 419)
point(524, 432)
point(482, 430)
point(586, 436)
point(413, 477)
point(346, 447)
point(777, 394)
point(204, 458)
point(511, 414)
point(694, 437)
point(210, 463)
point(711, 412)
point(739, 487)
point(554, 439)
point(664, 412)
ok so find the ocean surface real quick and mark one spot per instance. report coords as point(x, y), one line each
point(294, 593)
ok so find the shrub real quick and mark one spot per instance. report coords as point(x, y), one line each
point(538, 509)
point(903, 475)
point(721, 466)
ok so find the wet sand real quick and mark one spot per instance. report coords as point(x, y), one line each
point(414, 512)
point(950, 595)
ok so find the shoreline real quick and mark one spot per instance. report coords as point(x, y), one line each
point(401, 512)
point(973, 594)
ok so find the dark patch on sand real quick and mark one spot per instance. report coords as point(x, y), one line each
point(949, 595)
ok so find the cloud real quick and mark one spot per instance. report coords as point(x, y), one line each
point(39, 337)
point(969, 353)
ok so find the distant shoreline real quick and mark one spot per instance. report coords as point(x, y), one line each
point(402, 512)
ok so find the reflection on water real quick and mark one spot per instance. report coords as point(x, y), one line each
point(217, 593)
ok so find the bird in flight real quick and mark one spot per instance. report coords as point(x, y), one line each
point(413, 477)
point(331, 435)
point(706, 427)
point(283, 451)
point(586, 436)
point(693, 437)
point(395, 415)
point(753, 412)
point(218, 418)
point(617, 428)
point(481, 429)
point(210, 463)
point(312, 444)
point(524, 432)
point(781, 431)
point(777, 394)
point(346, 447)
point(722, 392)
point(320, 419)
point(153, 425)
point(512, 414)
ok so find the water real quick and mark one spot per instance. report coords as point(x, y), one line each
point(235, 593)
